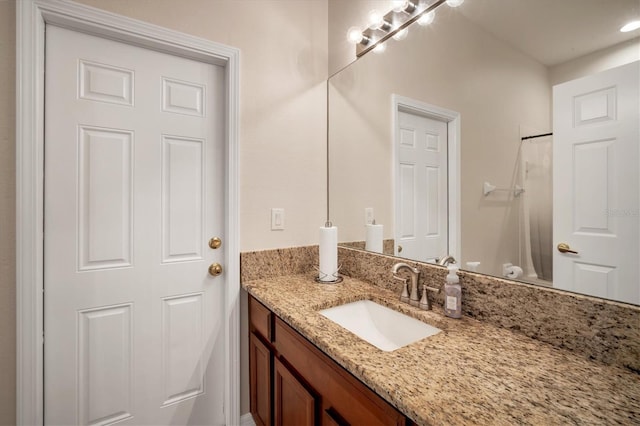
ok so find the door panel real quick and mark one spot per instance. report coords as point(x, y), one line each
point(595, 184)
point(133, 191)
point(182, 198)
point(106, 389)
point(182, 328)
point(105, 198)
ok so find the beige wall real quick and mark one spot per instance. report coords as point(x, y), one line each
point(453, 64)
point(283, 47)
point(7, 214)
point(601, 60)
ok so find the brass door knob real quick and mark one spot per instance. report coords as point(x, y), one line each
point(215, 269)
point(215, 242)
point(564, 248)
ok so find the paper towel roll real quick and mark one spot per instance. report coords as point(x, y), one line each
point(328, 253)
point(514, 272)
point(373, 241)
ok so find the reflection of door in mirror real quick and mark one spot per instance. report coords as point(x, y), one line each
point(425, 180)
point(596, 179)
point(421, 187)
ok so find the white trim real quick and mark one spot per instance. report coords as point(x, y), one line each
point(31, 18)
point(247, 420)
point(452, 118)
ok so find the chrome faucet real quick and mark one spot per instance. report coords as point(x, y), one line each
point(414, 274)
point(446, 260)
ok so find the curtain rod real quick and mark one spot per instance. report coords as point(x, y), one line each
point(535, 136)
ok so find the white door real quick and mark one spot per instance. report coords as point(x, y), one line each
point(421, 226)
point(596, 184)
point(134, 177)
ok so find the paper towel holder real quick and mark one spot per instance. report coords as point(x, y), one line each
point(338, 278)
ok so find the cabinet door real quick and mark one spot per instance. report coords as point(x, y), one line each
point(294, 404)
point(331, 418)
point(260, 377)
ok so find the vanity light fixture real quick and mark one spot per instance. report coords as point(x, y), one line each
point(394, 23)
point(631, 26)
point(454, 3)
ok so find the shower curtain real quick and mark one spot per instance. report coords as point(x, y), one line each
point(538, 204)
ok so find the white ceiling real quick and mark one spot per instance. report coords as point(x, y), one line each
point(555, 31)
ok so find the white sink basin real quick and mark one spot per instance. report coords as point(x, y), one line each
point(384, 328)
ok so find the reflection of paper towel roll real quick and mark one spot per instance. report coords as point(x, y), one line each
point(513, 272)
point(328, 253)
point(473, 266)
point(373, 241)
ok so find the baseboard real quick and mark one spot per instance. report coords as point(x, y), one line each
point(247, 420)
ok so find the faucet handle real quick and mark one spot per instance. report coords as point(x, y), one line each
point(433, 289)
point(404, 297)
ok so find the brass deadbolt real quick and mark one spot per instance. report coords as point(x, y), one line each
point(215, 242)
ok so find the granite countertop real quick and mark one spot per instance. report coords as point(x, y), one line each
point(470, 373)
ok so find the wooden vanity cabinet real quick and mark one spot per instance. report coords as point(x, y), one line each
point(306, 387)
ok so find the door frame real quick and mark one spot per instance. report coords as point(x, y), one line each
point(31, 18)
point(452, 118)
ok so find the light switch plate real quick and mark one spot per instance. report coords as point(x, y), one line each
point(277, 219)
point(368, 215)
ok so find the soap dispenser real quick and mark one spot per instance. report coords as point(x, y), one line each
point(453, 293)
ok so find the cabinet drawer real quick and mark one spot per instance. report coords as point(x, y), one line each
point(260, 319)
point(347, 399)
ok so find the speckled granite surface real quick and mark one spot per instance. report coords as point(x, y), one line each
point(272, 263)
point(593, 328)
point(470, 373)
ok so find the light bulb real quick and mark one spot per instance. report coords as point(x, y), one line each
point(354, 35)
point(454, 3)
point(375, 19)
point(427, 18)
point(397, 5)
point(400, 6)
point(401, 35)
point(380, 48)
point(631, 26)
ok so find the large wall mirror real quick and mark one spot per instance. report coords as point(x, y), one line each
point(443, 139)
